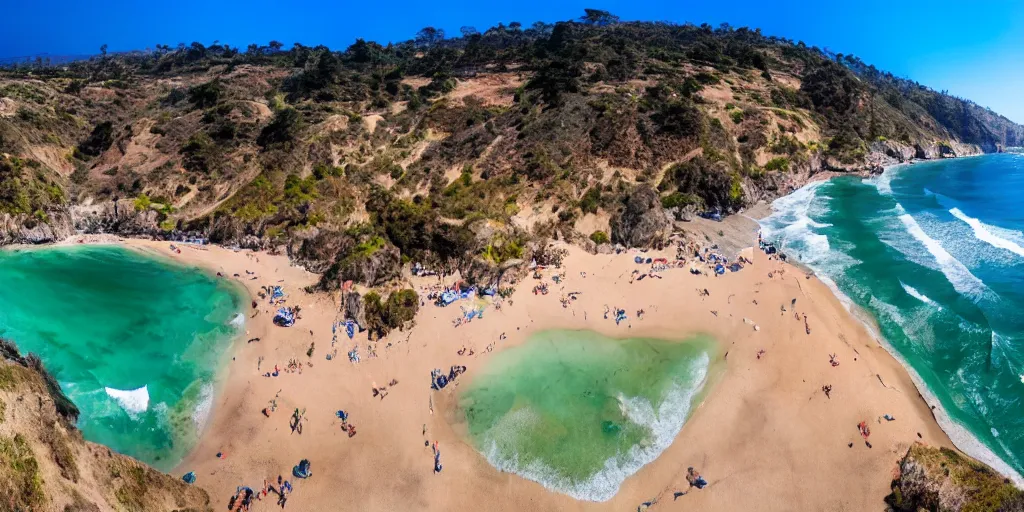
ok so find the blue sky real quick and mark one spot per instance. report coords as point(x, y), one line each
point(972, 49)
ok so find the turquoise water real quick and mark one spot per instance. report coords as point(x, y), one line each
point(579, 412)
point(134, 341)
point(935, 252)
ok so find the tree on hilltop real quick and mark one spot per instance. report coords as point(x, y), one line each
point(429, 36)
point(598, 17)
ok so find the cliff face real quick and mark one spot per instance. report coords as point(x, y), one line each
point(940, 479)
point(117, 217)
point(45, 465)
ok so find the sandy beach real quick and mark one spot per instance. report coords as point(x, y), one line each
point(766, 436)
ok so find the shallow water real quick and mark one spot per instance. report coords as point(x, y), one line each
point(579, 412)
point(135, 342)
point(935, 252)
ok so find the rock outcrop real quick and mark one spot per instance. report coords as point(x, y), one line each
point(26, 229)
point(317, 249)
point(45, 465)
point(352, 306)
point(367, 265)
point(946, 149)
point(941, 479)
point(643, 222)
point(117, 217)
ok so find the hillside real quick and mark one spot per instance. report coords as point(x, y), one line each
point(45, 465)
point(456, 152)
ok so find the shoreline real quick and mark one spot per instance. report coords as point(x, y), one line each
point(220, 377)
point(466, 453)
point(961, 437)
point(754, 419)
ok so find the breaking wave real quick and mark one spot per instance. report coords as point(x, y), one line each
point(134, 401)
point(919, 296)
point(883, 182)
point(664, 424)
point(958, 275)
point(987, 234)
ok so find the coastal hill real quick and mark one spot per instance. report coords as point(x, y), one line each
point(453, 151)
point(46, 465)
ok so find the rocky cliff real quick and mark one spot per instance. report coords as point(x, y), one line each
point(940, 479)
point(118, 217)
point(45, 465)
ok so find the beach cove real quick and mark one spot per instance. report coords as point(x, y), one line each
point(136, 342)
point(765, 436)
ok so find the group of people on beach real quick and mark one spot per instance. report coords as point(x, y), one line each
point(244, 496)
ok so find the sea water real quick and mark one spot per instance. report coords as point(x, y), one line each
point(579, 412)
point(935, 253)
point(134, 341)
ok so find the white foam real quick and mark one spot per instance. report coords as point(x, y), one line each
point(238, 321)
point(985, 233)
point(791, 226)
point(919, 296)
point(958, 275)
point(883, 182)
point(664, 424)
point(961, 437)
point(134, 402)
point(202, 411)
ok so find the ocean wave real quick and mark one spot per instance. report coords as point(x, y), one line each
point(792, 227)
point(986, 234)
point(943, 200)
point(883, 182)
point(202, 411)
point(663, 423)
point(133, 401)
point(919, 296)
point(238, 321)
point(958, 275)
point(916, 322)
point(965, 440)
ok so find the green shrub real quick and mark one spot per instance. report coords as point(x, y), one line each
point(591, 199)
point(142, 203)
point(399, 309)
point(736, 116)
point(21, 482)
point(599, 237)
point(780, 163)
point(736, 189)
point(679, 199)
point(501, 250)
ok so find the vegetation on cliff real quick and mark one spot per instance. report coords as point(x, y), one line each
point(456, 151)
point(940, 479)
